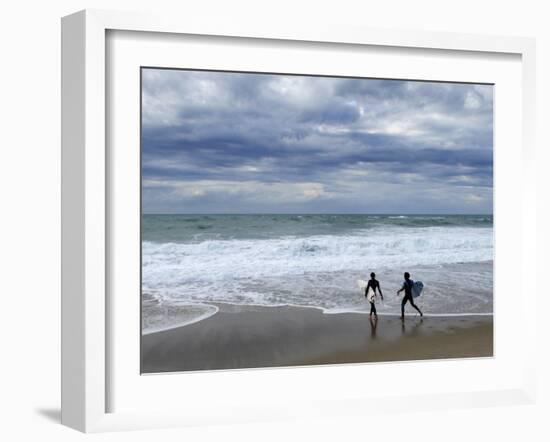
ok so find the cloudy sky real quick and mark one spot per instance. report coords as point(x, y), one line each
point(216, 142)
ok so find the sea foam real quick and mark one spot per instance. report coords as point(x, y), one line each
point(321, 270)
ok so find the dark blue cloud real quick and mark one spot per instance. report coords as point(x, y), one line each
point(313, 143)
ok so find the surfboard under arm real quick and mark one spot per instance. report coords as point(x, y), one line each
point(417, 289)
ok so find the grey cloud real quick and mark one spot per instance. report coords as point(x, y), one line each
point(237, 128)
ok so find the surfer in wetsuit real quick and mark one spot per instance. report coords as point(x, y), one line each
point(373, 284)
point(407, 286)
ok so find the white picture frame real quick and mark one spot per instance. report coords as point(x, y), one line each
point(86, 204)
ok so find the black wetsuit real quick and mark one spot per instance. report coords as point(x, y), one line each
point(407, 285)
point(373, 284)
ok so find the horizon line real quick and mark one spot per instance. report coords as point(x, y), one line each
point(317, 213)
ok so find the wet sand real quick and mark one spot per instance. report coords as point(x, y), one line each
point(250, 337)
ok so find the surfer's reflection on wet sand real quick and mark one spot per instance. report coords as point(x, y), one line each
point(373, 324)
point(412, 331)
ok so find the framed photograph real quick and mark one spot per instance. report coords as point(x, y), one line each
point(260, 218)
point(267, 197)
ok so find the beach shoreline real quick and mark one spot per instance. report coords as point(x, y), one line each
point(244, 336)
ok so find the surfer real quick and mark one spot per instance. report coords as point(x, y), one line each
point(373, 284)
point(407, 286)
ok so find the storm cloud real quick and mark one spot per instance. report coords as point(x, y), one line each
point(219, 142)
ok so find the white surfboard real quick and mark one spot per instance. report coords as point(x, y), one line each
point(417, 289)
point(362, 284)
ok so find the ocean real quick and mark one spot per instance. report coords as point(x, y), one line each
point(192, 262)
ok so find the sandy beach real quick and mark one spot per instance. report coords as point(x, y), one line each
point(250, 336)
